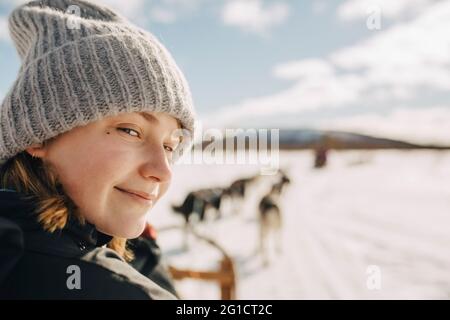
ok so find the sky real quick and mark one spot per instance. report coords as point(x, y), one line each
point(377, 67)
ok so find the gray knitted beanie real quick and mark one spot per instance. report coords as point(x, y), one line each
point(82, 62)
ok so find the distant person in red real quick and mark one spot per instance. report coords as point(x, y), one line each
point(321, 152)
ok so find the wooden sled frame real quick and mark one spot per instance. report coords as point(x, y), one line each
point(225, 276)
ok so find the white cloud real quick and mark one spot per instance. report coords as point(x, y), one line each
point(253, 15)
point(316, 85)
point(317, 91)
point(424, 125)
point(360, 9)
point(394, 66)
point(407, 55)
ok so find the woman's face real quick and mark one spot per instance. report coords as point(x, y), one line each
point(96, 163)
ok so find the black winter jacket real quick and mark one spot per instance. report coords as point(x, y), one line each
point(72, 263)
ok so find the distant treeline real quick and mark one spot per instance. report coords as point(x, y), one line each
point(298, 139)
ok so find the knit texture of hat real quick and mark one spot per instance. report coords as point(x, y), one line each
point(82, 62)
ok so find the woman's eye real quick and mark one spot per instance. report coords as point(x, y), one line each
point(168, 148)
point(127, 130)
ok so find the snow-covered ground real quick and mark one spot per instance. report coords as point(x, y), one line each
point(369, 225)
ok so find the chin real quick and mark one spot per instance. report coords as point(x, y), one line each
point(127, 232)
point(136, 232)
point(133, 231)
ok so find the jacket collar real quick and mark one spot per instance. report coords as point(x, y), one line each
point(20, 208)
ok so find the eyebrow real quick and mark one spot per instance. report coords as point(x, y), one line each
point(152, 120)
point(148, 117)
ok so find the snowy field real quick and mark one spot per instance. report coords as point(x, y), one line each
point(369, 225)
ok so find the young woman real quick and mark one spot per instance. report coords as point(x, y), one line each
point(88, 133)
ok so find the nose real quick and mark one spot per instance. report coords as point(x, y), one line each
point(157, 165)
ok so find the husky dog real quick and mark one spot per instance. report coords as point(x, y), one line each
point(279, 186)
point(270, 222)
point(198, 202)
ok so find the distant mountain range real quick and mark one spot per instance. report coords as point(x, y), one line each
point(298, 138)
point(293, 139)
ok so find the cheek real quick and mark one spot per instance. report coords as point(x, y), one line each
point(89, 173)
point(163, 187)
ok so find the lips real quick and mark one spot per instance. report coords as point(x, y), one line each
point(140, 194)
